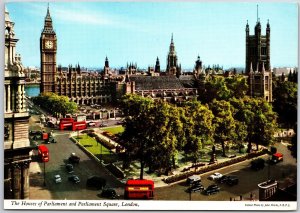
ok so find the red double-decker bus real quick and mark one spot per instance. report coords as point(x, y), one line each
point(66, 123)
point(139, 189)
point(71, 124)
point(43, 153)
point(78, 125)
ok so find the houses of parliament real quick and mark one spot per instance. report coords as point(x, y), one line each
point(83, 87)
point(172, 85)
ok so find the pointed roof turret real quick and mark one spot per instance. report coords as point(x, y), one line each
point(48, 17)
point(172, 46)
point(48, 23)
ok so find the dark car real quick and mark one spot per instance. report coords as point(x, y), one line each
point(74, 158)
point(223, 179)
point(197, 187)
point(74, 179)
point(212, 189)
point(258, 164)
point(109, 193)
point(232, 180)
point(96, 182)
point(35, 132)
point(193, 179)
point(70, 168)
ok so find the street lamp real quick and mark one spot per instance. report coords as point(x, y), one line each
point(44, 173)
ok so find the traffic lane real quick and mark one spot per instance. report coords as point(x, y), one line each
point(177, 191)
point(59, 154)
point(248, 181)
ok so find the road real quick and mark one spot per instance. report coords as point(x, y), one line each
point(248, 180)
point(59, 154)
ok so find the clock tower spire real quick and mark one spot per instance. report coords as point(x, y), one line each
point(48, 48)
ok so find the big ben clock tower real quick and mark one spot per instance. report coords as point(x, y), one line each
point(48, 47)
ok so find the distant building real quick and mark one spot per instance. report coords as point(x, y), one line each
point(285, 70)
point(16, 121)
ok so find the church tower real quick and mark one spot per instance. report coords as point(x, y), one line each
point(172, 67)
point(258, 66)
point(258, 47)
point(16, 120)
point(48, 48)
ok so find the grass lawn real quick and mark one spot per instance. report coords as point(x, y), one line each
point(114, 130)
point(97, 148)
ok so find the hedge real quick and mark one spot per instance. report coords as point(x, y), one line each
point(208, 168)
point(102, 141)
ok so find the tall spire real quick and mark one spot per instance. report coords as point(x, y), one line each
point(257, 13)
point(48, 23)
point(172, 39)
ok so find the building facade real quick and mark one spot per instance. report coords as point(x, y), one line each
point(258, 48)
point(258, 55)
point(16, 121)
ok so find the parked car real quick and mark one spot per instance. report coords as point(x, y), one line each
point(215, 176)
point(212, 189)
point(103, 124)
point(258, 164)
point(232, 180)
point(91, 124)
point(74, 158)
point(70, 168)
point(193, 179)
point(197, 187)
point(109, 193)
point(57, 179)
point(74, 179)
point(223, 179)
point(96, 182)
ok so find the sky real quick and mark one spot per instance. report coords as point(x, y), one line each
point(139, 32)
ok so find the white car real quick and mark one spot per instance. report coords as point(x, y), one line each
point(215, 176)
point(57, 179)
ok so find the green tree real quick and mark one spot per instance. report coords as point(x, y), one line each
point(237, 85)
point(138, 113)
point(259, 119)
point(198, 128)
point(285, 102)
point(223, 121)
point(55, 104)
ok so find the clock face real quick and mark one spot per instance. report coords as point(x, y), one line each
point(49, 44)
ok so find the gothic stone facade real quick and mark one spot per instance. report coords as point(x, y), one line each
point(258, 55)
point(16, 119)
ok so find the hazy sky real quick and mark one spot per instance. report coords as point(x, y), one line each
point(139, 32)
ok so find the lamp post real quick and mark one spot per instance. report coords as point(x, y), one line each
point(44, 173)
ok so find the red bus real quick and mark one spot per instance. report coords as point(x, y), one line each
point(66, 123)
point(43, 153)
point(139, 189)
point(70, 123)
point(78, 125)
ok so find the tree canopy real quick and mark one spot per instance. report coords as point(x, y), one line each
point(285, 102)
point(55, 104)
